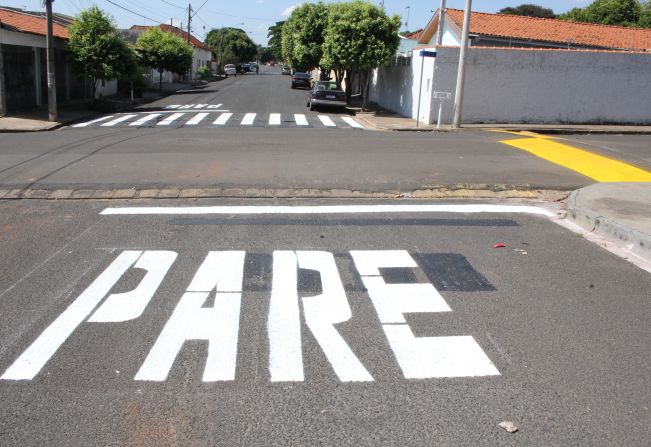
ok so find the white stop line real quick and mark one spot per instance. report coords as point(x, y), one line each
point(327, 209)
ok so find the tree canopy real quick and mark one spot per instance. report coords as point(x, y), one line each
point(303, 34)
point(275, 36)
point(164, 51)
point(529, 10)
point(359, 36)
point(608, 12)
point(98, 50)
point(231, 45)
point(645, 15)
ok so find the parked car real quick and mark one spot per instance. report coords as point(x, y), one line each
point(287, 70)
point(301, 80)
point(326, 93)
point(230, 70)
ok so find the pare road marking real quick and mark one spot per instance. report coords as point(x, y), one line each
point(222, 274)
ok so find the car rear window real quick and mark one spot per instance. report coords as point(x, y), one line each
point(302, 75)
point(327, 86)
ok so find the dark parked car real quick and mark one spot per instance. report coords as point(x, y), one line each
point(301, 80)
point(326, 93)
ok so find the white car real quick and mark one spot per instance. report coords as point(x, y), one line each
point(230, 70)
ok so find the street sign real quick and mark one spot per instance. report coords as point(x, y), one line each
point(425, 53)
point(441, 95)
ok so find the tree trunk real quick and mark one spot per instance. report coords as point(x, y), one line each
point(160, 80)
point(339, 76)
point(349, 85)
point(366, 76)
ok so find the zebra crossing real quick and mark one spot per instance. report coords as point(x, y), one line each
point(176, 118)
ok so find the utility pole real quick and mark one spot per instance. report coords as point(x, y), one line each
point(51, 80)
point(439, 33)
point(461, 73)
point(3, 99)
point(189, 20)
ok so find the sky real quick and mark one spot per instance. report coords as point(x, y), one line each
point(255, 16)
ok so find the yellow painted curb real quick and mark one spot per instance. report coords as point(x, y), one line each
point(597, 167)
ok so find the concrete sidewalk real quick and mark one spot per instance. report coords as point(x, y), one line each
point(69, 113)
point(380, 119)
point(618, 212)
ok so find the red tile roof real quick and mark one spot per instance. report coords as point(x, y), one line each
point(554, 30)
point(175, 30)
point(27, 23)
point(414, 36)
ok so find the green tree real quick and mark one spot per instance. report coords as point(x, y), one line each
point(231, 45)
point(359, 37)
point(275, 36)
point(529, 10)
point(645, 15)
point(164, 51)
point(607, 12)
point(98, 51)
point(303, 35)
point(265, 54)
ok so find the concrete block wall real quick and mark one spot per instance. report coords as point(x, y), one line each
point(547, 86)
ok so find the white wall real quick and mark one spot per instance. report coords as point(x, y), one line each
point(543, 86)
point(28, 40)
point(391, 87)
point(106, 88)
point(397, 88)
point(200, 58)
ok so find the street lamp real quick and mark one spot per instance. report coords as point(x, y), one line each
point(408, 8)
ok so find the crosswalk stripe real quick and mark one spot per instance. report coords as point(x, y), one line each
point(352, 122)
point(327, 121)
point(248, 119)
point(170, 119)
point(117, 120)
point(145, 119)
point(196, 119)
point(300, 120)
point(88, 123)
point(274, 119)
point(223, 118)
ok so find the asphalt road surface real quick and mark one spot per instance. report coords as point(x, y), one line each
point(283, 329)
point(285, 155)
point(307, 321)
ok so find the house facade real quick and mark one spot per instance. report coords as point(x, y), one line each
point(201, 53)
point(523, 69)
point(23, 83)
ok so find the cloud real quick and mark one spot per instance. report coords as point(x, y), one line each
point(259, 2)
point(288, 11)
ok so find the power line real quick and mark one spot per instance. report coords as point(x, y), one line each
point(239, 17)
point(148, 9)
point(133, 12)
point(172, 4)
point(202, 5)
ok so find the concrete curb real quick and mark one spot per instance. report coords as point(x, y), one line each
point(574, 130)
point(171, 192)
point(607, 227)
